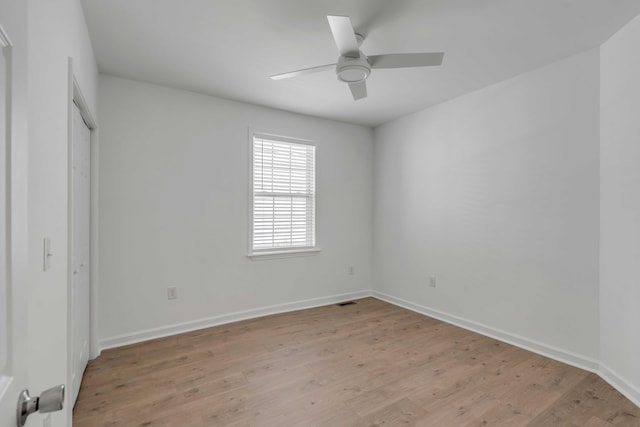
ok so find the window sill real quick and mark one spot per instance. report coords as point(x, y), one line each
point(287, 253)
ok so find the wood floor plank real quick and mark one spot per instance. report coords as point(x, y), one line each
point(366, 364)
point(402, 412)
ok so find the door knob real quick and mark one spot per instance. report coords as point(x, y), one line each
point(49, 401)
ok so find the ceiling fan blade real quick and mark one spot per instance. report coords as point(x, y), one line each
point(358, 90)
point(302, 72)
point(402, 60)
point(344, 35)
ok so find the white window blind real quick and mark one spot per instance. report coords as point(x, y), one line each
point(283, 195)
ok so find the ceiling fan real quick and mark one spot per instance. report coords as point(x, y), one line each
point(353, 66)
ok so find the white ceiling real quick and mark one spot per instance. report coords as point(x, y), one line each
point(229, 48)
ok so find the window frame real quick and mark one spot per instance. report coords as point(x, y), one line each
point(289, 251)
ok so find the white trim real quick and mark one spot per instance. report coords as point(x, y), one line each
point(70, 332)
point(75, 96)
point(287, 253)
point(7, 194)
point(92, 124)
point(564, 356)
point(179, 328)
point(283, 138)
point(250, 192)
point(618, 382)
point(95, 227)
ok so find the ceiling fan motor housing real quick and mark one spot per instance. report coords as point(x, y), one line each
point(353, 70)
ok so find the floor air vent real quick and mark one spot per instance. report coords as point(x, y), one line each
point(342, 304)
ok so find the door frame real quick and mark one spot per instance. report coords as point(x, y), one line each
point(75, 96)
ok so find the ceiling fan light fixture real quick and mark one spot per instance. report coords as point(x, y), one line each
point(353, 70)
point(353, 74)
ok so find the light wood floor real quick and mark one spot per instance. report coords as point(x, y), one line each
point(368, 364)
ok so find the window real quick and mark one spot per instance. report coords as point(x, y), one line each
point(283, 195)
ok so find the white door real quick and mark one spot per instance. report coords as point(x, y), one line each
point(13, 237)
point(13, 226)
point(81, 246)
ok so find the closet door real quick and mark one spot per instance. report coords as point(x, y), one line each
point(81, 218)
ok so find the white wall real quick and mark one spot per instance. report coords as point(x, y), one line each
point(496, 194)
point(620, 209)
point(57, 31)
point(174, 211)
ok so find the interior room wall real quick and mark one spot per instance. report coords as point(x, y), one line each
point(174, 194)
point(56, 31)
point(620, 210)
point(495, 194)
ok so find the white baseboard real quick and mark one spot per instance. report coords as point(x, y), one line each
point(616, 381)
point(552, 352)
point(179, 328)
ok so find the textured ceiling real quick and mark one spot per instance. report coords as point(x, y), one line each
point(229, 48)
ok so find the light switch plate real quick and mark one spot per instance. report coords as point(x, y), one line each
point(46, 254)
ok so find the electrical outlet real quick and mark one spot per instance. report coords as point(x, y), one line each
point(432, 281)
point(172, 293)
point(352, 270)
